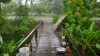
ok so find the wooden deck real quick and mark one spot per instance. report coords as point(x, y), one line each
point(48, 41)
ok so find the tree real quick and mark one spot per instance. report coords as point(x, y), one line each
point(57, 6)
point(26, 2)
point(2, 19)
point(9, 8)
point(3, 1)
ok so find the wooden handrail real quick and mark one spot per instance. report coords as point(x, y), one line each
point(70, 39)
point(27, 40)
point(56, 27)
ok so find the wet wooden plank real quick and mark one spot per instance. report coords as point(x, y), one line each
point(48, 41)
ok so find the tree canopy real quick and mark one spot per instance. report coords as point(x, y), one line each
point(5, 1)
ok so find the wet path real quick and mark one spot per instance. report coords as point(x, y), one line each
point(48, 41)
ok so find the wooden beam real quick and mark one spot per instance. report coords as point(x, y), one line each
point(54, 27)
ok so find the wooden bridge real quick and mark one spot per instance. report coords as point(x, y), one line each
point(48, 41)
point(42, 40)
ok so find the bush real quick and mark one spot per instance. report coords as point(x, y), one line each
point(78, 25)
point(15, 29)
point(3, 20)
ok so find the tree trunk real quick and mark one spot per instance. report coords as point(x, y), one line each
point(31, 2)
point(26, 2)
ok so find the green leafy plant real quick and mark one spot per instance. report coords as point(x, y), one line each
point(9, 47)
point(98, 46)
point(14, 29)
point(78, 25)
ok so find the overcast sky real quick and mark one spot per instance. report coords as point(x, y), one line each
point(98, 0)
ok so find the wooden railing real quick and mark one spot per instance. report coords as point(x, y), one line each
point(58, 29)
point(69, 40)
point(28, 39)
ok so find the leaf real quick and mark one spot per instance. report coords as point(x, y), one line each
point(98, 46)
point(1, 40)
point(11, 46)
point(92, 25)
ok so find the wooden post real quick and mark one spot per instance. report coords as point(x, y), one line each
point(36, 38)
point(31, 47)
point(67, 39)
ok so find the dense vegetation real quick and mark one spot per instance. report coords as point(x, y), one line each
point(13, 31)
point(41, 7)
point(79, 27)
point(77, 23)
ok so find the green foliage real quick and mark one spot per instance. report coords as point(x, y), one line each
point(47, 7)
point(13, 32)
point(55, 18)
point(1, 40)
point(23, 25)
point(7, 47)
point(98, 46)
point(10, 8)
point(97, 9)
point(22, 11)
point(5, 1)
point(97, 12)
point(3, 20)
point(5, 27)
point(78, 25)
point(16, 28)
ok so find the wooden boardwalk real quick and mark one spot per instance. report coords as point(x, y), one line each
point(48, 41)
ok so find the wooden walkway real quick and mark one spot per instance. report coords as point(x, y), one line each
point(48, 41)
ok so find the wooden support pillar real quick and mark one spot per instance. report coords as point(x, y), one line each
point(31, 46)
point(36, 39)
point(67, 39)
point(36, 36)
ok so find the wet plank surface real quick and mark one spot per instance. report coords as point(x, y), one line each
point(48, 41)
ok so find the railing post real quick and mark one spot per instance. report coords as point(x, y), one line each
point(36, 38)
point(67, 39)
point(31, 46)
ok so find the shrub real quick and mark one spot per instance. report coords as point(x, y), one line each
point(78, 25)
